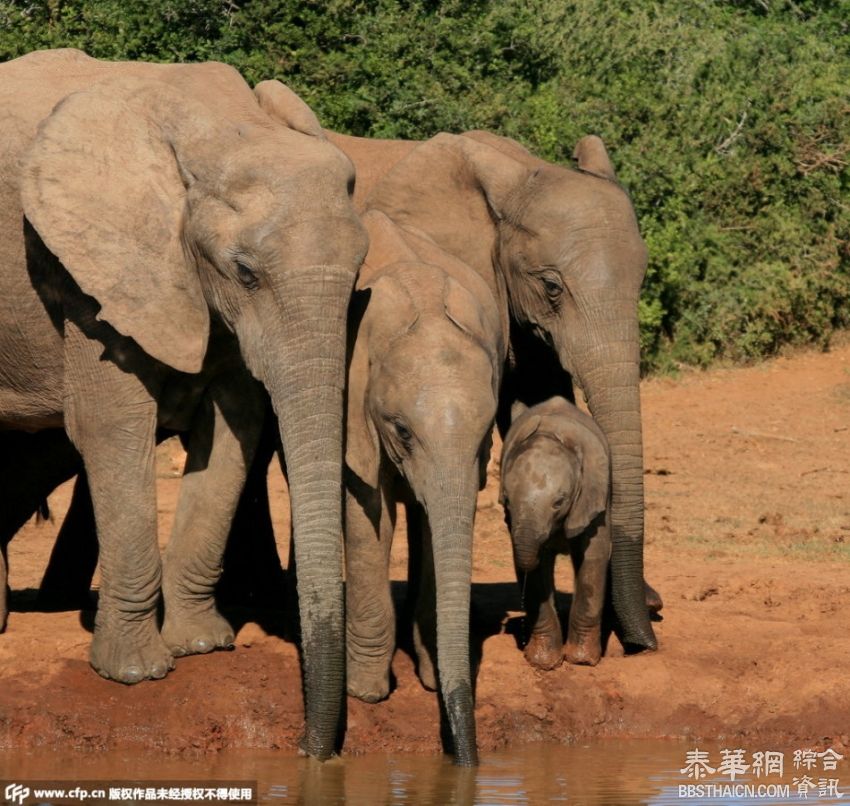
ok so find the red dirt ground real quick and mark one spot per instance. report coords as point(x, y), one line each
point(748, 540)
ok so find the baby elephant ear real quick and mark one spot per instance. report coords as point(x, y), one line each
point(518, 408)
point(521, 429)
point(591, 155)
point(387, 245)
point(277, 100)
point(468, 314)
point(592, 498)
point(102, 188)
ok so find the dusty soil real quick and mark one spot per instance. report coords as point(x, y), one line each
point(748, 540)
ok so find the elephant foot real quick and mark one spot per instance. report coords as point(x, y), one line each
point(367, 683)
point(196, 633)
point(130, 651)
point(653, 598)
point(544, 651)
point(586, 651)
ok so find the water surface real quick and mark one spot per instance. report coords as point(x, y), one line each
point(602, 773)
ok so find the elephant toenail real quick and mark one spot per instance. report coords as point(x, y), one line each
point(229, 647)
point(178, 651)
point(202, 646)
point(158, 671)
point(132, 674)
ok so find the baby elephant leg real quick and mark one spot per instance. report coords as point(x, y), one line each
point(545, 647)
point(590, 554)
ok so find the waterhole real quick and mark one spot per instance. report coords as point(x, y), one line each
point(603, 773)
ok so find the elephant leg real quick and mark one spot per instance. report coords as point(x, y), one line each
point(110, 417)
point(424, 589)
point(545, 647)
point(221, 447)
point(590, 554)
point(369, 616)
point(73, 560)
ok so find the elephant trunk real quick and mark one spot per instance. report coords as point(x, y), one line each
point(450, 505)
point(608, 371)
point(526, 545)
point(305, 374)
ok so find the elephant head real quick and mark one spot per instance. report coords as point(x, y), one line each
point(168, 214)
point(555, 476)
point(565, 244)
point(424, 380)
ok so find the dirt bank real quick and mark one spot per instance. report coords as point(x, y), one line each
point(748, 539)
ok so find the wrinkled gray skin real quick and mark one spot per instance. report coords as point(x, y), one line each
point(161, 231)
point(565, 247)
point(555, 474)
point(428, 346)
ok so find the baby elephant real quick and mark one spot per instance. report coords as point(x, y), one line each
point(555, 491)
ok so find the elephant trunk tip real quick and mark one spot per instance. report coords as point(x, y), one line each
point(527, 561)
point(460, 709)
point(312, 746)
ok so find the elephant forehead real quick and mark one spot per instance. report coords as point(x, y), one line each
point(540, 467)
point(285, 160)
point(438, 382)
point(435, 350)
point(561, 202)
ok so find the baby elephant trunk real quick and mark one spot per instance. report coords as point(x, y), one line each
point(526, 539)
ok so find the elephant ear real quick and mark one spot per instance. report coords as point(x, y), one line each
point(387, 312)
point(521, 429)
point(102, 187)
point(466, 313)
point(518, 408)
point(506, 145)
point(592, 498)
point(362, 449)
point(281, 103)
point(591, 156)
point(387, 245)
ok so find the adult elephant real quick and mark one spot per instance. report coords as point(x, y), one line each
point(564, 246)
point(161, 232)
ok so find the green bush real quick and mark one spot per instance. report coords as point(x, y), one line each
point(729, 121)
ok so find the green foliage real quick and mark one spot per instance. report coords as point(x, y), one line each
point(729, 121)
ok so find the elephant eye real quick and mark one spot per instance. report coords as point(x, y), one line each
point(402, 432)
point(559, 502)
point(552, 284)
point(247, 277)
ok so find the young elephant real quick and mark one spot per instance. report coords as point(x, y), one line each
point(555, 491)
point(427, 349)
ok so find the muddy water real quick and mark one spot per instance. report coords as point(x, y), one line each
point(611, 773)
